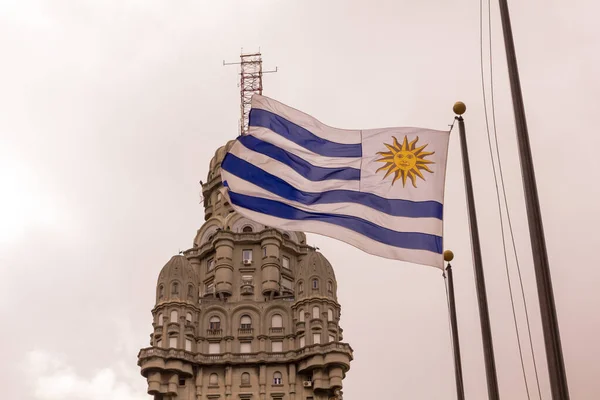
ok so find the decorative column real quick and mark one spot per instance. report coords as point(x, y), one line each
point(292, 380)
point(199, 374)
point(262, 380)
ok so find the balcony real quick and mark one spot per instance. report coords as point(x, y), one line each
point(316, 322)
point(245, 332)
point(300, 326)
point(214, 332)
point(332, 325)
point(247, 289)
point(277, 331)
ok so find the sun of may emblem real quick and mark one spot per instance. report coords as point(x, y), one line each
point(406, 160)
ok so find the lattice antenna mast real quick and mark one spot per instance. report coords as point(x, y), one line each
point(251, 73)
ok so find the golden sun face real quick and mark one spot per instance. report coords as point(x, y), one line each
point(405, 161)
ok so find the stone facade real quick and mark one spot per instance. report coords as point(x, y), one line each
point(249, 312)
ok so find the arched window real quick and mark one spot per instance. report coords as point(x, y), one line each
point(276, 321)
point(174, 316)
point(188, 317)
point(190, 294)
point(213, 380)
point(246, 322)
point(315, 283)
point(247, 229)
point(329, 286)
point(315, 312)
point(175, 288)
point(286, 236)
point(301, 315)
point(215, 323)
point(277, 378)
point(161, 292)
point(300, 287)
point(159, 319)
point(330, 315)
point(245, 379)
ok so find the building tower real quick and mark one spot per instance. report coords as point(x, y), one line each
point(248, 313)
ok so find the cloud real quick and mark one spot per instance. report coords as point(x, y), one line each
point(55, 379)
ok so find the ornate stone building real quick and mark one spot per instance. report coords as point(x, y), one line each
point(249, 312)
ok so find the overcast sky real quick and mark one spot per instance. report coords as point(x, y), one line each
point(110, 111)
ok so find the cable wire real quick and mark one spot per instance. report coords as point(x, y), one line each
point(512, 236)
point(487, 125)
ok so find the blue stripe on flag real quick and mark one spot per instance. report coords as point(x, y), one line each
point(273, 184)
point(301, 136)
point(304, 168)
point(406, 240)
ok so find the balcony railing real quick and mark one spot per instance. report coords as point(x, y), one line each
point(276, 331)
point(214, 332)
point(245, 332)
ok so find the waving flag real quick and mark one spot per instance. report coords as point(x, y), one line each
point(381, 190)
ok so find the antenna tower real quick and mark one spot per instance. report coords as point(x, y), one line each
point(251, 73)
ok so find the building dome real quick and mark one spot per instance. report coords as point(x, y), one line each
point(215, 162)
point(316, 276)
point(177, 281)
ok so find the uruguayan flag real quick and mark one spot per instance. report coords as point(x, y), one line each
point(381, 190)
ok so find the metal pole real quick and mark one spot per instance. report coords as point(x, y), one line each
point(460, 390)
point(484, 317)
point(554, 356)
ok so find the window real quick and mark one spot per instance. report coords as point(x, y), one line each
point(245, 379)
point(330, 315)
point(161, 292)
point(315, 283)
point(300, 287)
point(331, 338)
point(277, 346)
point(277, 378)
point(286, 236)
point(173, 341)
point(188, 345)
point(264, 250)
point(214, 348)
point(245, 347)
point(210, 264)
point(301, 315)
point(247, 255)
point(302, 341)
point(219, 196)
point(246, 322)
point(159, 319)
point(175, 288)
point(316, 338)
point(276, 321)
point(190, 294)
point(210, 288)
point(159, 343)
point(188, 317)
point(247, 229)
point(315, 312)
point(214, 323)
point(329, 286)
point(181, 382)
point(285, 262)
point(287, 284)
point(174, 316)
point(213, 380)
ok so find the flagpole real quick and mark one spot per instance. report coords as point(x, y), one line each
point(554, 356)
point(460, 390)
point(484, 316)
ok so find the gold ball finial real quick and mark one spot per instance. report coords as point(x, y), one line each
point(448, 255)
point(459, 108)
